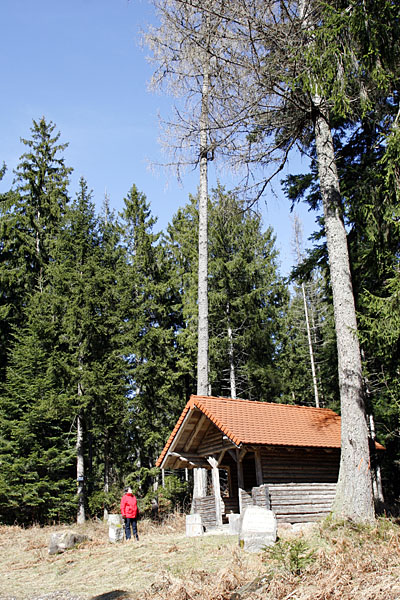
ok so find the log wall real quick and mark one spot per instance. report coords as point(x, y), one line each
point(301, 502)
point(301, 482)
point(300, 465)
point(211, 443)
point(206, 508)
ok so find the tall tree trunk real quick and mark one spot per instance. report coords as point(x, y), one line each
point(232, 370)
point(354, 497)
point(200, 475)
point(80, 466)
point(106, 487)
point(297, 234)
point(310, 347)
point(202, 348)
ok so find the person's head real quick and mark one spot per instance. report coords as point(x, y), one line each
point(129, 490)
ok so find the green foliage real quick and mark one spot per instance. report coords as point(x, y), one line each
point(294, 360)
point(350, 55)
point(156, 386)
point(246, 296)
point(292, 556)
point(100, 500)
point(174, 494)
point(30, 219)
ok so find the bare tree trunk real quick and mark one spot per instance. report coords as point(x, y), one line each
point(202, 348)
point(80, 467)
point(200, 475)
point(310, 347)
point(106, 475)
point(303, 289)
point(376, 472)
point(354, 497)
point(232, 370)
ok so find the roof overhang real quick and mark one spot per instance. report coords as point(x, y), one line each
point(182, 448)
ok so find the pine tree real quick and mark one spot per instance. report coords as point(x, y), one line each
point(156, 385)
point(36, 450)
point(30, 219)
point(246, 299)
point(87, 279)
point(246, 296)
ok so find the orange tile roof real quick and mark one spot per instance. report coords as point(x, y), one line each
point(249, 422)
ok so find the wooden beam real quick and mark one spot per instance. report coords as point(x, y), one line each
point(221, 456)
point(233, 454)
point(242, 453)
point(193, 459)
point(177, 436)
point(194, 433)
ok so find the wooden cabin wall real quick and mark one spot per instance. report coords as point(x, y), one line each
point(206, 508)
point(211, 443)
point(300, 465)
point(301, 482)
point(301, 502)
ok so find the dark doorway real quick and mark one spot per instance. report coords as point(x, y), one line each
point(249, 471)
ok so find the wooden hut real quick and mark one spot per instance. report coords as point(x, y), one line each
point(281, 456)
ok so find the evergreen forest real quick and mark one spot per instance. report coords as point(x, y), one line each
point(98, 309)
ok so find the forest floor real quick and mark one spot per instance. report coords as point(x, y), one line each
point(328, 561)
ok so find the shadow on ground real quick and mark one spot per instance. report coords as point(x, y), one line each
point(115, 595)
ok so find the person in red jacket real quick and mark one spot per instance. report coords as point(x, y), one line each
point(129, 511)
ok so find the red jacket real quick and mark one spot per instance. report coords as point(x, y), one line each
point(129, 506)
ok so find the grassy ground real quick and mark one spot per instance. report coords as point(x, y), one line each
point(163, 554)
point(326, 562)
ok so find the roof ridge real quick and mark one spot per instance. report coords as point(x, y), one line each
point(193, 398)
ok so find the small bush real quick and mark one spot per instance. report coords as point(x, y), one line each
point(171, 497)
point(293, 556)
point(100, 500)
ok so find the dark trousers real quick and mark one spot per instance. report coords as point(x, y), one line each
point(128, 524)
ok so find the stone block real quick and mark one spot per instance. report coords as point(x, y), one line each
point(257, 528)
point(194, 525)
point(115, 528)
point(114, 520)
point(234, 523)
point(65, 540)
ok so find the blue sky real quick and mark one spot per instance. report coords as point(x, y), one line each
point(80, 64)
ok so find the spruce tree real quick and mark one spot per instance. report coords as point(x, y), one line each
point(86, 280)
point(246, 296)
point(294, 354)
point(32, 424)
point(30, 218)
point(151, 301)
point(36, 449)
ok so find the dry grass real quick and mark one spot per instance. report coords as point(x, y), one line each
point(98, 567)
point(349, 562)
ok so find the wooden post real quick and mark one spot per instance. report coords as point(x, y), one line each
point(239, 465)
point(259, 473)
point(217, 489)
point(199, 483)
